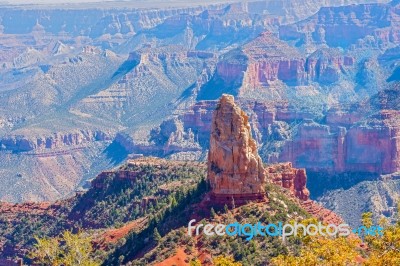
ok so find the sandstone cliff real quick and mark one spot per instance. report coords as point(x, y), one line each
point(236, 172)
point(235, 169)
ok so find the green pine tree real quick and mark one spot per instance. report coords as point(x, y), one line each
point(156, 235)
point(212, 213)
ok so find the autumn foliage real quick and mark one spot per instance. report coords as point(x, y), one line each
point(375, 251)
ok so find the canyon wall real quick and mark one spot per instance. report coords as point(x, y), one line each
point(344, 143)
point(24, 143)
point(364, 25)
point(92, 22)
point(266, 59)
point(290, 178)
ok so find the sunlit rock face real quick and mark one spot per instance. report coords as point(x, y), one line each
point(235, 169)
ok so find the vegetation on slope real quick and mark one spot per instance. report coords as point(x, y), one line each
point(255, 252)
point(177, 191)
point(119, 200)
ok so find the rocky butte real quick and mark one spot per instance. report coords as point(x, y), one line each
point(235, 169)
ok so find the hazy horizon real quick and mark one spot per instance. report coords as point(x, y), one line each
point(79, 4)
point(40, 2)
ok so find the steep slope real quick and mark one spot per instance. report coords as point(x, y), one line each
point(157, 78)
point(122, 206)
point(101, 94)
point(378, 196)
point(58, 172)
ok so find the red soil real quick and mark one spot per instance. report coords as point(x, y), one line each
point(113, 235)
point(178, 259)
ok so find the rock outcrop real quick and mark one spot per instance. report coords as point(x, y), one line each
point(261, 61)
point(11, 210)
point(235, 169)
point(290, 178)
point(326, 65)
point(325, 215)
point(236, 172)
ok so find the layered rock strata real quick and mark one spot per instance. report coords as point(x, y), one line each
point(347, 141)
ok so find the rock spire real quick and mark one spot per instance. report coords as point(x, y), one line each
point(235, 169)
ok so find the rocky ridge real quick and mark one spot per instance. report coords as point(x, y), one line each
point(90, 209)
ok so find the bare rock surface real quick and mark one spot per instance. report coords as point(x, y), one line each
point(234, 167)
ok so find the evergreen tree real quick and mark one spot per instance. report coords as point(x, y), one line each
point(156, 235)
point(212, 213)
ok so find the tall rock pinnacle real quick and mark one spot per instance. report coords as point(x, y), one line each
point(235, 169)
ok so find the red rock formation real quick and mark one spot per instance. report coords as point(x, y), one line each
point(291, 178)
point(235, 169)
point(325, 65)
point(12, 210)
point(267, 59)
point(295, 180)
point(230, 71)
point(100, 181)
point(236, 172)
point(113, 235)
point(199, 117)
point(374, 146)
point(369, 146)
point(263, 60)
